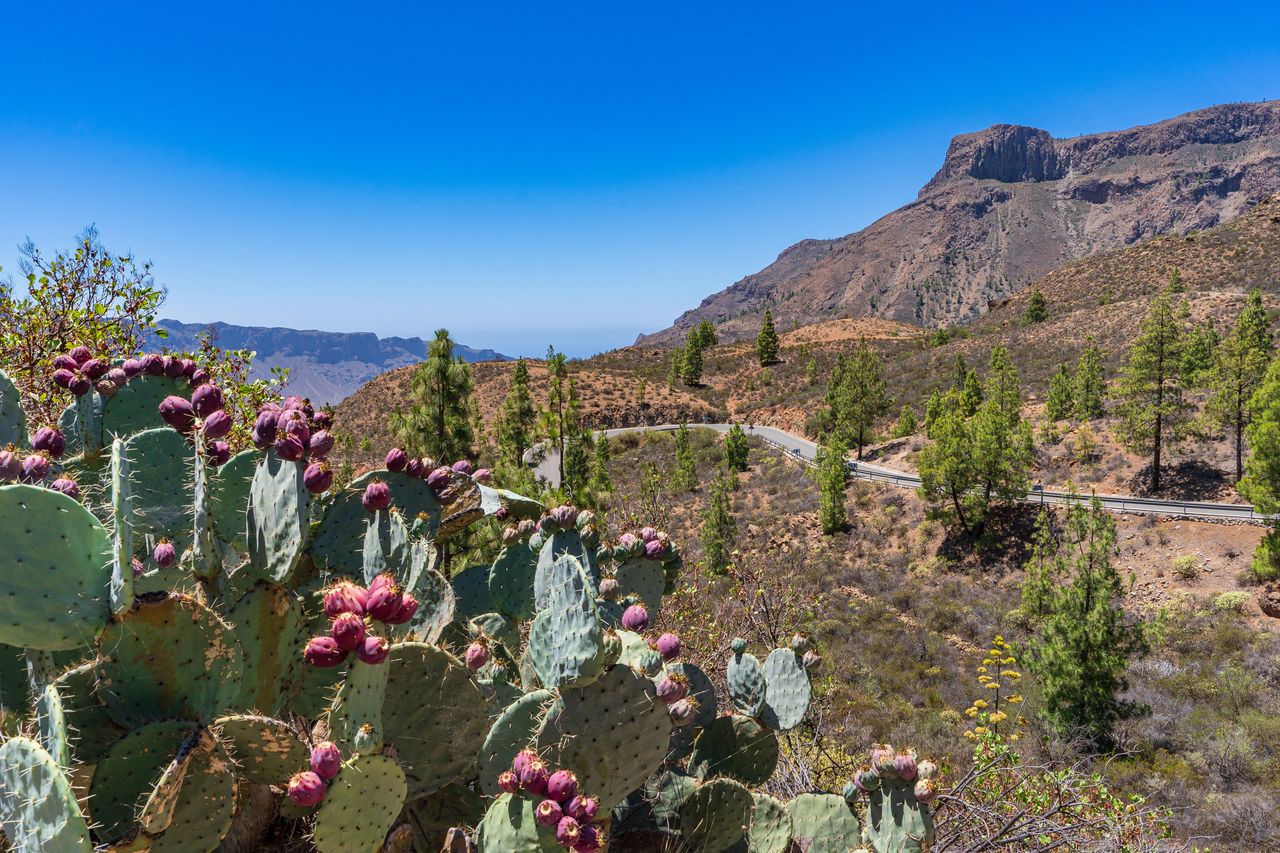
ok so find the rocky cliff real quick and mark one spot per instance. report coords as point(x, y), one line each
point(1010, 204)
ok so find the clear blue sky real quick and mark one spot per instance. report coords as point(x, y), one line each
point(532, 173)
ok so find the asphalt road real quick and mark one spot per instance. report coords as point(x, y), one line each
point(806, 451)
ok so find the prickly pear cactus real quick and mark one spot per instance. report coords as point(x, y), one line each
point(13, 421)
point(38, 810)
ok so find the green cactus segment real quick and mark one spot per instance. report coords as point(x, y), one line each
point(13, 423)
point(509, 826)
point(231, 498)
point(665, 792)
point(277, 519)
point(38, 810)
point(89, 411)
point(134, 407)
point(169, 656)
point(434, 815)
point(788, 691)
point(206, 561)
point(823, 823)
point(634, 647)
point(157, 811)
point(518, 506)
point(499, 627)
point(612, 733)
point(642, 580)
point(69, 423)
point(15, 688)
point(737, 747)
point(51, 725)
point(514, 730)
point(121, 586)
point(267, 751)
point(338, 544)
point(360, 807)
point(896, 821)
point(566, 641)
point(556, 546)
point(160, 483)
point(271, 625)
point(128, 772)
point(55, 570)
point(511, 581)
point(716, 815)
point(90, 728)
point(434, 715)
point(436, 606)
point(356, 721)
point(701, 689)
point(386, 546)
point(205, 802)
point(746, 684)
point(471, 593)
point(770, 830)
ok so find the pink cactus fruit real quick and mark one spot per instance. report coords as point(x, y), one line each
point(588, 840)
point(926, 791)
point(562, 786)
point(178, 413)
point(94, 369)
point(396, 459)
point(635, 618)
point(668, 646)
point(264, 428)
point(10, 465)
point(477, 655)
point(206, 400)
point(648, 534)
point(377, 496)
point(583, 809)
point(320, 445)
point(345, 597)
point(462, 466)
point(904, 764)
point(289, 447)
point(318, 478)
point(49, 440)
point(384, 601)
point(682, 712)
point(533, 775)
point(67, 486)
point(508, 782)
point(374, 649)
point(568, 833)
point(34, 468)
point(348, 631)
point(326, 760)
point(323, 652)
point(306, 789)
point(548, 813)
point(216, 425)
point(672, 688)
point(408, 607)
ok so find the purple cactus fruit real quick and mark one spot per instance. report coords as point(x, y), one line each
point(117, 377)
point(811, 660)
point(462, 466)
point(317, 478)
point(588, 840)
point(188, 368)
point(533, 776)
point(565, 516)
point(396, 459)
point(34, 468)
point(94, 369)
point(562, 786)
point(904, 764)
point(172, 366)
point(408, 607)
point(320, 444)
point(326, 760)
point(264, 429)
point(132, 367)
point(882, 756)
point(106, 387)
point(477, 655)
point(482, 475)
point(568, 833)
point(386, 579)
point(153, 364)
point(648, 534)
point(80, 386)
point(635, 618)
point(301, 404)
point(502, 513)
point(65, 362)
point(67, 486)
point(345, 597)
point(306, 789)
point(511, 535)
point(583, 808)
point(348, 631)
point(323, 652)
point(289, 448)
point(294, 423)
point(10, 465)
point(668, 646)
point(508, 782)
point(80, 355)
point(655, 550)
point(63, 377)
point(866, 780)
point(681, 712)
point(673, 688)
point(521, 761)
point(373, 650)
point(548, 813)
point(206, 399)
point(49, 440)
point(322, 419)
point(138, 568)
point(926, 791)
point(440, 478)
point(218, 453)
point(165, 554)
point(199, 378)
point(377, 496)
point(384, 602)
point(216, 425)
point(178, 413)
point(414, 468)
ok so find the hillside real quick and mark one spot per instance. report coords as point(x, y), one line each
point(324, 366)
point(1009, 205)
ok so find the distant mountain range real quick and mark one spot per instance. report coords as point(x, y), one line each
point(1010, 204)
point(327, 367)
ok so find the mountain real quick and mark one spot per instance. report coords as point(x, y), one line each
point(1010, 204)
point(327, 367)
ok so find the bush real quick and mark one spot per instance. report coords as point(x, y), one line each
point(1231, 602)
point(1187, 567)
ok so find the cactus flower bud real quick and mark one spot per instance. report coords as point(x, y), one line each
point(326, 760)
point(533, 776)
point(264, 429)
point(153, 364)
point(49, 440)
point(348, 631)
point(63, 377)
point(462, 466)
point(635, 618)
point(669, 647)
point(439, 479)
point(904, 764)
point(67, 486)
point(345, 597)
point(377, 496)
point(218, 453)
point(609, 589)
point(320, 444)
point(673, 688)
point(408, 607)
point(138, 568)
point(317, 478)
point(289, 447)
point(10, 465)
point(682, 712)
point(477, 655)
point(396, 459)
point(374, 650)
point(165, 555)
point(323, 652)
point(866, 780)
point(65, 362)
point(306, 789)
point(383, 602)
point(926, 791)
point(583, 809)
point(34, 468)
point(483, 475)
point(117, 377)
point(206, 399)
point(413, 468)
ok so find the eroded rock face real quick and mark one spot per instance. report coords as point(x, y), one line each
point(1269, 599)
point(1005, 152)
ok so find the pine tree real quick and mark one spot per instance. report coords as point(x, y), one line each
point(767, 341)
point(1152, 406)
point(718, 527)
point(676, 369)
point(906, 424)
point(833, 474)
point(1239, 366)
point(1037, 310)
point(1086, 639)
point(1261, 483)
point(1175, 281)
point(1041, 576)
point(517, 418)
point(437, 423)
point(554, 416)
point(735, 450)
point(576, 461)
point(811, 372)
point(691, 363)
point(1059, 404)
point(707, 336)
point(685, 477)
point(1089, 383)
point(856, 395)
point(601, 482)
point(934, 407)
point(1001, 384)
point(1199, 353)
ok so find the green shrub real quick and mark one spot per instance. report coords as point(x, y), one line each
point(1231, 602)
point(1187, 567)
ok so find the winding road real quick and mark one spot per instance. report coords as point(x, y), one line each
point(806, 451)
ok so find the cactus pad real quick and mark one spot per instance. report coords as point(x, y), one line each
point(38, 811)
point(337, 548)
point(51, 725)
point(665, 792)
point(823, 823)
point(436, 606)
point(134, 406)
point(121, 588)
point(700, 688)
point(471, 593)
point(360, 807)
point(13, 423)
point(267, 751)
point(434, 815)
point(277, 522)
point(770, 830)
point(55, 570)
point(737, 747)
point(509, 826)
point(90, 728)
point(896, 821)
point(358, 707)
point(231, 498)
point(642, 580)
point(271, 626)
point(386, 546)
point(553, 548)
point(434, 715)
point(160, 482)
point(629, 733)
point(715, 815)
point(511, 580)
point(746, 684)
point(169, 656)
point(511, 732)
point(566, 641)
point(126, 775)
point(788, 690)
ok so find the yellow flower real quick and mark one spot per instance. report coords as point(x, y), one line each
point(1014, 737)
point(1010, 673)
point(999, 639)
point(982, 669)
point(999, 717)
point(1009, 660)
point(970, 735)
point(983, 679)
point(987, 661)
point(981, 703)
point(971, 712)
point(1014, 699)
point(1022, 721)
point(981, 730)
point(995, 685)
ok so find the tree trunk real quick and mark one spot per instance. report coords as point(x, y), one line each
point(1239, 449)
